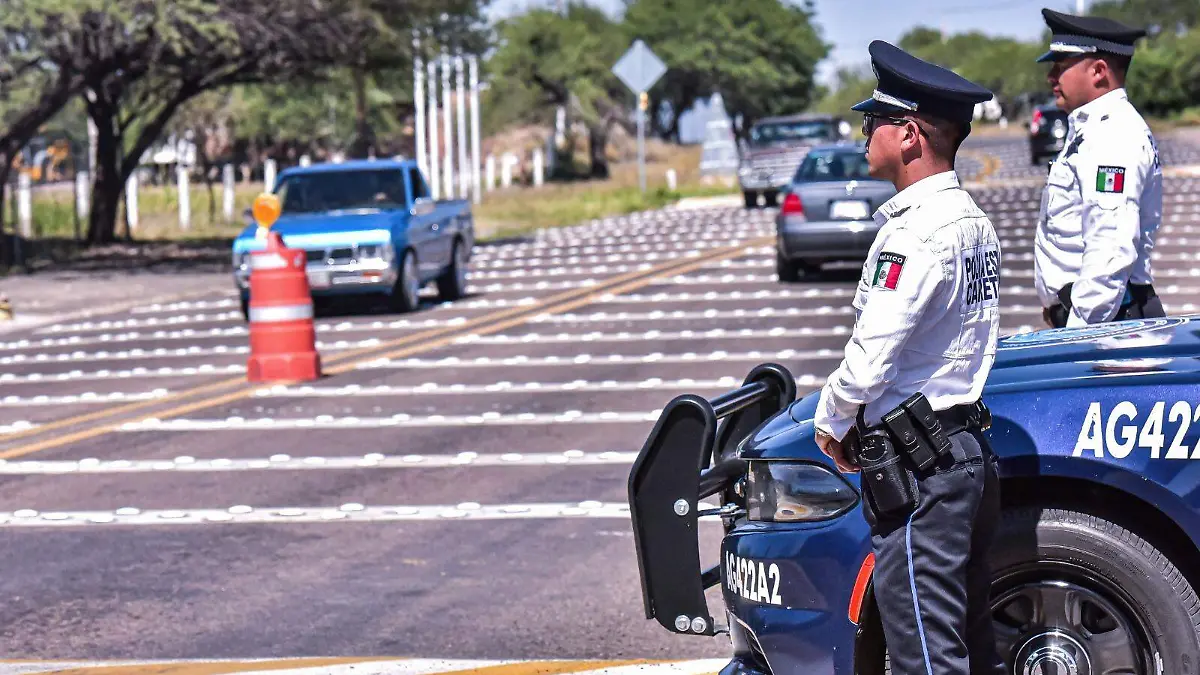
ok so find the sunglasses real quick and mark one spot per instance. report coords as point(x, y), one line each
point(872, 121)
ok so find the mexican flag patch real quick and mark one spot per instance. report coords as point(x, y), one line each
point(1110, 179)
point(887, 270)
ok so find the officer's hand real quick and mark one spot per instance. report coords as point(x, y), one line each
point(1046, 317)
point(833, 450)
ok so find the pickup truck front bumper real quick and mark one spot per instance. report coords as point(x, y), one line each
point(329, 276)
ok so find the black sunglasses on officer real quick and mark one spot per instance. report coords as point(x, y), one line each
point(872, 121)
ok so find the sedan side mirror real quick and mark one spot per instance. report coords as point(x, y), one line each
point(423, 206)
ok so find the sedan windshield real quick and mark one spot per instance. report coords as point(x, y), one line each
point(776, 132)
point(833, 165)
point(343, 190)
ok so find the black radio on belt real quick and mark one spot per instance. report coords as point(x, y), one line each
point(886, 481)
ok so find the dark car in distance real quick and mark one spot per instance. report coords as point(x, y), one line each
point(1047, 132)
point(826, 214)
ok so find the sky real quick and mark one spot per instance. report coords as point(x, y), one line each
point(850, 25)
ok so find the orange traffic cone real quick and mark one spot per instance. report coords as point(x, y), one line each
point(283, 338)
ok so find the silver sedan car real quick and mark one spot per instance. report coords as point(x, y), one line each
point(826, 211)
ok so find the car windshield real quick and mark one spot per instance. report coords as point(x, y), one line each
point(343, 190)
point(832, 165)
point(776, 132)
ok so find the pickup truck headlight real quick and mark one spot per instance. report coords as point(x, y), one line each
point(783, 491)
point(375, 252)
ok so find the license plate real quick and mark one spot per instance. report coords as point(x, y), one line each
point(849, 210)
point(318, 279)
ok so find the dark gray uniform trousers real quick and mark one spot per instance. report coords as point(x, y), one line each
point(932, 579)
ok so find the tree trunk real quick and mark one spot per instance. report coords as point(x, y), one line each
point(108, 185)
point(6, 249)
point(597, 147)
point(363, 136)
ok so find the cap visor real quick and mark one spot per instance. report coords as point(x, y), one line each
point(1052, 56)
point(878, 107)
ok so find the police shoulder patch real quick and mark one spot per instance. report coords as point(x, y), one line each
point(887, 270)
point(1110, 179)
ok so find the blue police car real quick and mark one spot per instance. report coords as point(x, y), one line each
point(1095, 564)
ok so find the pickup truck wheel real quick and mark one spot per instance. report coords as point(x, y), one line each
point(452, 285)
point(750, 199)
point(404, 297)
point(1075, 593)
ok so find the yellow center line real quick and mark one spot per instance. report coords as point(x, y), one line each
point(419, 342)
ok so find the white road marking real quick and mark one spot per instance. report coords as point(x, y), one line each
point(398, 420)
point(347, 513)
point(713, 333)
point(163, 352)
point(433, 388)
point(21, 425)
point(76, 375)
point(186, 305)
point(86, 397)
point(185, 464)
point(599, 359)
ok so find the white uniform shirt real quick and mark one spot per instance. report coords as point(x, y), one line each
point(927, 308)
point(1101, 207)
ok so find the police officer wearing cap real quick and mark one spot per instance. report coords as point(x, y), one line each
point(1102, 203)
point(904, 407)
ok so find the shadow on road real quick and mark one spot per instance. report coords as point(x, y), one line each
point(158, 257)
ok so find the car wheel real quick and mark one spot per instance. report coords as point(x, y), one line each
point(452, 285)
point(245, 302)
point(787, 270)
point(1073, 592)
point(405, 294)
point(750, 199)
point(771, 198)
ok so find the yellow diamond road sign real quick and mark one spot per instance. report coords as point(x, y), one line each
point(639, 68)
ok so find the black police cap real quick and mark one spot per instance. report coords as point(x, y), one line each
point(907, 85)
point(1073, 35)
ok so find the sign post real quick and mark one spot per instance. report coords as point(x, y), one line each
point(639, 68)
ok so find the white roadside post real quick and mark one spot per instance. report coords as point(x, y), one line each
point(131, 201)
point(419, 102)
point(25, 204)
point(185, 202)
point(473, 62)
point(538, 166)
point(227, 192)
point(269, 175)
point(448, 179)
point(435, 150)
point(82, 192)
point(464, 175)
point(506, 164)
point(491, 172)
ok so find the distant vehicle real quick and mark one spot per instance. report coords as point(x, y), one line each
point(827, 210)
point(775, 148)
point(368, 227)
point(1047, 132)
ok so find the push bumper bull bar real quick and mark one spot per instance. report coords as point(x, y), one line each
point(688, 456)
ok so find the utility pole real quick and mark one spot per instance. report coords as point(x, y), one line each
point(473, 64)
point(448, 179)
point(434, 177)
point(419, 102)
point(464, 176)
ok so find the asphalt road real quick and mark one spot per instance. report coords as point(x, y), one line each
point(456, 489)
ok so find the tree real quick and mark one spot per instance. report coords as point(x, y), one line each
point(199, 46)
point(761, 55)
point(568, 60)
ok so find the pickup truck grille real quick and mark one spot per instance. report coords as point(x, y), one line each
point(332, 256)
point(780, 167)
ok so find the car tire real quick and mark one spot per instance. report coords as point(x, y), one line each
point(452, 285)
point(245, 303)
point(771, 198)
point(787, 270)
point(404, 296)
point(1109, 580)
point(750, 199)
point(1084, 557)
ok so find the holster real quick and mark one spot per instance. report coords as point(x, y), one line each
point(910, 439)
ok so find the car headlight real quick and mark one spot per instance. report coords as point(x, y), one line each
point(783, 491)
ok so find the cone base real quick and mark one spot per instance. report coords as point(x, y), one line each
point(295, 367)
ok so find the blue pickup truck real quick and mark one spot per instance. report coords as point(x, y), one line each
point(368, 227)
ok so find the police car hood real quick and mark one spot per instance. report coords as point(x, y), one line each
point(1147, 352)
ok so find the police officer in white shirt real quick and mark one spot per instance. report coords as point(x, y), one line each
point(904, 405)
point(1102, 203)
